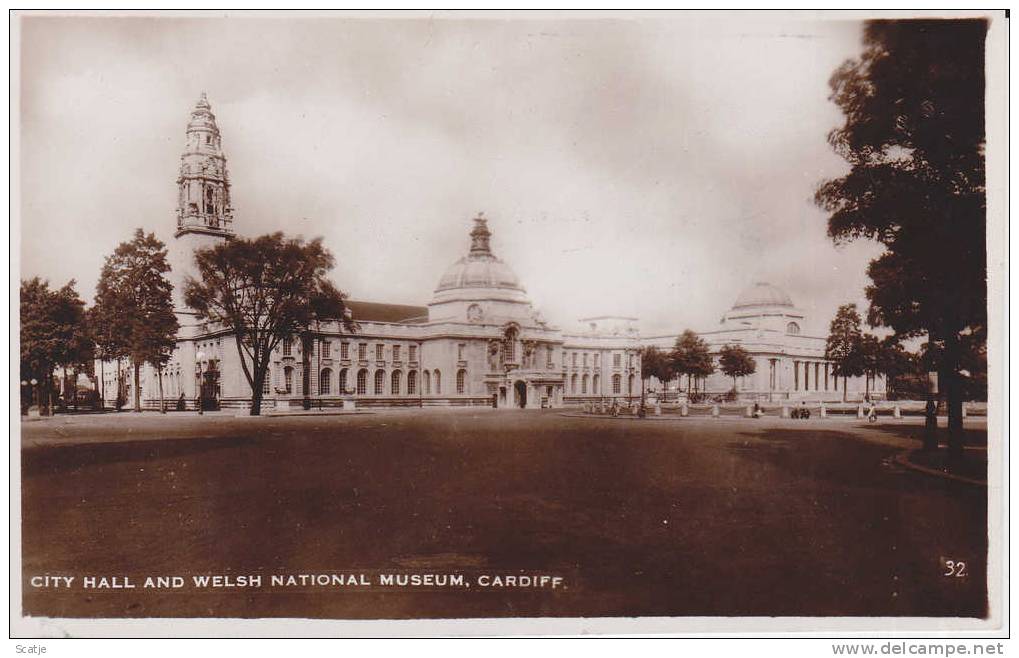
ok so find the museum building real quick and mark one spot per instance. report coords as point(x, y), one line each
point(791, 364)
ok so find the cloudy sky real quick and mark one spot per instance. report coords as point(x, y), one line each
point(651, 167)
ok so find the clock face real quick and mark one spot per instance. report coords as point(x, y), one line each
point(474, 313)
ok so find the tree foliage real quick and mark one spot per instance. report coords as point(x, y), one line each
point(265, 290)
point(54, 332)
point(134, 302)
point(914, 138)
point(691, 356)
point(656, 363)
point(735, 362)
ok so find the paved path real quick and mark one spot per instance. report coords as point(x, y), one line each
point(697, 517)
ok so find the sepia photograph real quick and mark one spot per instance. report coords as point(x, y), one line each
point(569, 317)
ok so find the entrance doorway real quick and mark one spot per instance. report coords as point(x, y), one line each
point(521, 389)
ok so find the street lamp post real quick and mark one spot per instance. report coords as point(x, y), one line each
point(34, 393)
point(198, 364)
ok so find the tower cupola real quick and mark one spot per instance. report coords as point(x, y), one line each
point(203, 185)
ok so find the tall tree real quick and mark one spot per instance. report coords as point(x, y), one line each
point(52, 333)
point(691, 357)
point(133, 287)
point(265, 290)
point(842, 347)
point(656, 363)
point(736, 362)
point(914, 138)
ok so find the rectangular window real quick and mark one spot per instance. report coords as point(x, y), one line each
point(796, 375)
point(380, 353)
point(548, 361)
point(288, 347)
point(396, 352)
point(596, 359)
point(617, 360)
point(413, 349)
point(460, 352)
point(574, 359)
point(344, 350)
point(585, 359)
point(267, 383)
point(630, 360)
point(326, 349)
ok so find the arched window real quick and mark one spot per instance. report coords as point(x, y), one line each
point(573, 384)
point(616, 381)
point(461, 381)
point(397, 381)
point(362, 382)
point(342, 390)
point(380, 381)
point(583, 384)
point(594, 385)
point(438, 382)
point(792, 328)
point(412, 382)
point(324, 379)
point(288, 380)
point(427, 383)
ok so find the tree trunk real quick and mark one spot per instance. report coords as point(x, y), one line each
point(63, 385)
point(306, 342)
point(162, 404)
point(866, 385)
point(930, 428)
point(256, 391)
point(137, 387)
point(845, 386)
point(102, 384)
point(953, 395)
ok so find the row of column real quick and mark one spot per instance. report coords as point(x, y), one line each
point(811, 377)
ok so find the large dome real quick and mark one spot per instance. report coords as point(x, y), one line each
point(763, 294)
point(478, 272)
point(479, 269)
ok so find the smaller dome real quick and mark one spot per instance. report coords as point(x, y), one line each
point(763, 294)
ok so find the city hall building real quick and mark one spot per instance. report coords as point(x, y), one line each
point(478, 341)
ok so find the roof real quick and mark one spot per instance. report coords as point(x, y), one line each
point(377, 312)
point(762, 294)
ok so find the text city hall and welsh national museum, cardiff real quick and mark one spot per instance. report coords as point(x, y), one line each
point(478, 342)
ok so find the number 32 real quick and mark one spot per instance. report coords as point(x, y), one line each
point(954, 569)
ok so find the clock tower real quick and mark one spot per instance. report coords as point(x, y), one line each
point(204, 213)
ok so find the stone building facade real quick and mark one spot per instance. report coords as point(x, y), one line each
point(478, 341)
point(791, 364)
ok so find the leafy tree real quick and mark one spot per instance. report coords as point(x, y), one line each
point(134, 290)
point(658, 364)
point(914, 137)
point(265, 290)
point(736, 362)
point(691, 357)
point(843, 345)
point(52, 333)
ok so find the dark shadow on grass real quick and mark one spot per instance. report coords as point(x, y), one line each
point(972, 436)
point(59, 458)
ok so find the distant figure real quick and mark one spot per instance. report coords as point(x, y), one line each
point(802, 412)
point(758, 412)
point(181, 404)
point(872, 412)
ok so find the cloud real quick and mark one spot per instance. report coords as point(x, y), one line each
point(652, 168)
